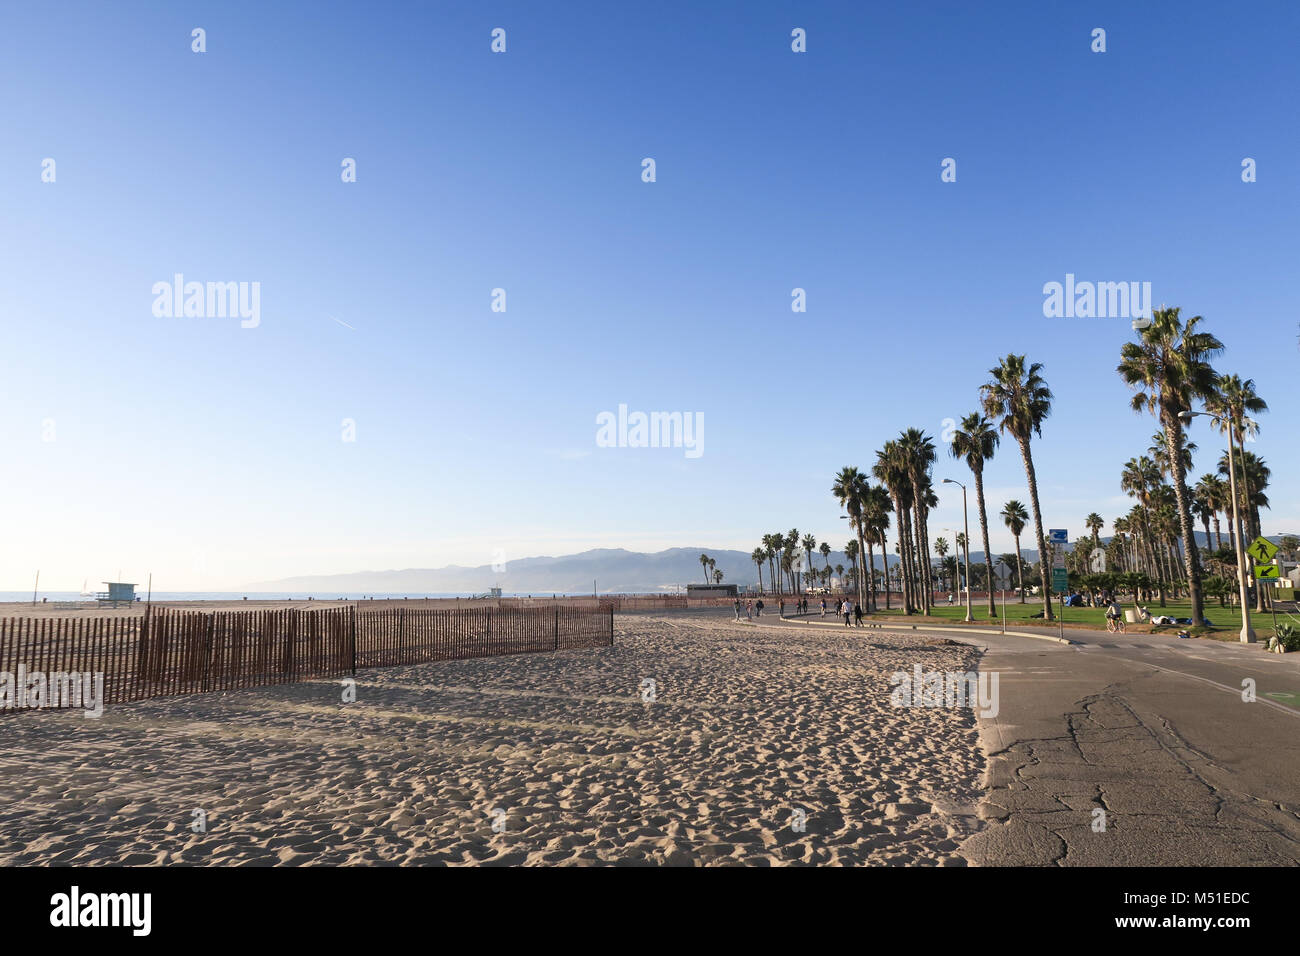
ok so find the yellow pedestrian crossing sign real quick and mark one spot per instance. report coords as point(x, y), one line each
point(1266, 572)
point(1262, 550)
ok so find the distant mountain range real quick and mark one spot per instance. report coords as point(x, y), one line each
point(608, 570)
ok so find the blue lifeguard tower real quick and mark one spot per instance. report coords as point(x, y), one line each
point(119, 592)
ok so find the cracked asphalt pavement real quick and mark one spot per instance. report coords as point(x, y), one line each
point(1154, 732)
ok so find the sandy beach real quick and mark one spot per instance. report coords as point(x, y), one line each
point(559, 752)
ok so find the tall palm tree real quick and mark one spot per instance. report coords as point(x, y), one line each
point(1201, 509)
point(1232, 406)
point(704, 562)
point(975, 441)
point(825, 550)
point(1094, 523)
point(769, 548)
point(851, 552)
point(1168, 368)
point(918, 451)
point(1213, 493)
point(849, 489)
point(941, 549)
point(1018, 398)
point(809, 544)
point(1015, 517)
point(875, 515)
point(1140, 478)
point(1121, 527)
point(891, 470)
point(759, 557)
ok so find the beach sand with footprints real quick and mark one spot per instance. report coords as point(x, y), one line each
point(559, 751)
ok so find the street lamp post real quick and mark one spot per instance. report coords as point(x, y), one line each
point(1247, 632)
point(966, 524)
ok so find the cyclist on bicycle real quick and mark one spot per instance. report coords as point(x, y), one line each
point(1114, 617)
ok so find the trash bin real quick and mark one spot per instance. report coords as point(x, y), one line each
point(1130, 615)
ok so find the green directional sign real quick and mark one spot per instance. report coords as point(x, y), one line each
point(1267, 572)
point(1262, 550)
point(1060, 580)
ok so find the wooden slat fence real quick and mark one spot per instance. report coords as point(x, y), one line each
point(168, 652)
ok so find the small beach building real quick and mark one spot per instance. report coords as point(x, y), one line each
point(119, 592)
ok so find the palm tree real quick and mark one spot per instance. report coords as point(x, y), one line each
point(1213, 493)
point(919, 454)
point(1158, 452)
point(1232, 407)
point(851, 552)
point(1141, 479)
point(851, 490)
point(712, 564)
point(1018, 397)
point(1015, 518)
point(941, 549)
point(875, 519)
point(1094, 523)
point(825, 550)
point(975, 441)
point(791, 550)
point(704, 562)
point(1010, 561)
point(717, 577)
point(774, 554)
point(1169, 368)
point(809, 544)
point(759, 557)
point(891, 470)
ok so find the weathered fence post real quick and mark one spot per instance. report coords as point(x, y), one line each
point(557, 627)
point(207, 652)
point(354, 640)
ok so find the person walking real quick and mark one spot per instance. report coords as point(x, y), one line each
point(823, 607)
point(759, 608)
point(844, 609)
point(749, 609)
point(857, 614)
point(780, 606)
point(737, 609)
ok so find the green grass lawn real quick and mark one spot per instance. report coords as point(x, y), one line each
point(1228, 619)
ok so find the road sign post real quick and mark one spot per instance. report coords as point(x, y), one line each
point(1060, 576)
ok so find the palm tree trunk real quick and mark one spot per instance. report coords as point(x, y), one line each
point(1173, 441)
point(916, 556)
point(1020, 569)
point(927, 567)
point(884, 556)
point(902, 555)
point(864, 547)
point(909, 562)
point(1032, 478)
point(984, 533)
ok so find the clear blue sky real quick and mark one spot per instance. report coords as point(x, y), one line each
point(211, 454)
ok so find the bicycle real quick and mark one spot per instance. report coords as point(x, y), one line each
point(1115, 624)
